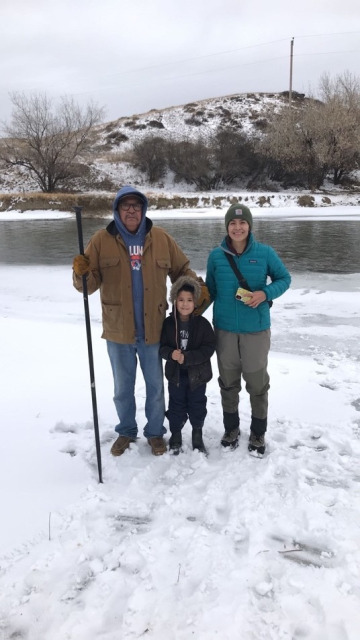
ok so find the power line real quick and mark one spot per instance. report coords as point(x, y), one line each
point(242, 64)
point(174, 77)
point(325, 53)
point(203, 57)
point(221, 53)
point(336, 33)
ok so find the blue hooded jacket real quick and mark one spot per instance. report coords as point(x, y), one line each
point(135, 245)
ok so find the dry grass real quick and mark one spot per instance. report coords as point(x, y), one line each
point(98, 205)
point(92, 203)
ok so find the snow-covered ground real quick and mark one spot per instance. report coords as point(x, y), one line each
point(345, 206)
point(226, 547)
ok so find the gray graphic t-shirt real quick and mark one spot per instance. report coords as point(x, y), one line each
point(184, 334)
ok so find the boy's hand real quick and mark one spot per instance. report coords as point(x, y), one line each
point(178, 355)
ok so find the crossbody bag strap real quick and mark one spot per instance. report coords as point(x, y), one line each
point(238, 273)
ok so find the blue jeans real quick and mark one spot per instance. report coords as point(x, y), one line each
point(123, 358)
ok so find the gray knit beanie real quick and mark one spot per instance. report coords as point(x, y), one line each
point(238, 211)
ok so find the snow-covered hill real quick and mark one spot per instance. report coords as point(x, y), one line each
point(106, 162)
point(248, 113)
point(107, 167)
point(241, 111)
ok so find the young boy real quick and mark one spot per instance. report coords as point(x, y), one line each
point(187, 343)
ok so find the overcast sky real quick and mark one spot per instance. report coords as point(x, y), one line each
point(134, 55)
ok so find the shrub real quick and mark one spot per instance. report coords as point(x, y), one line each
point(156, 124)
point(261, 123)
point(306, 201)
point(131, 123)
point(193, 121)
point(116, 137)
point(263, 200)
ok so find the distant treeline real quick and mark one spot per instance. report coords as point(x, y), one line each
point(302, 145)
point(299, 145)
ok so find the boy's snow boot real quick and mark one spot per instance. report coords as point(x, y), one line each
point(175, 442)
point(197, 440)
point(232, 430)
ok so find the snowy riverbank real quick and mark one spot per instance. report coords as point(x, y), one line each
point(224, 547)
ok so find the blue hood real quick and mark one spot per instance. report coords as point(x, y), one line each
point(134, 240)
point(129, 191)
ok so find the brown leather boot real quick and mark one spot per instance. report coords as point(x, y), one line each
point(158, 445)
point(120, 445)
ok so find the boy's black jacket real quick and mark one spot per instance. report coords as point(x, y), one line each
point(200, 348)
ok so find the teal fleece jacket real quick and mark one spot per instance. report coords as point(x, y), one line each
point(262, 269)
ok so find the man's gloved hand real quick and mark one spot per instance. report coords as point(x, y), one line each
point(81, 265)
point(204, 300)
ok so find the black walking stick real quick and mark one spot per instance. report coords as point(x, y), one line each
point(89, 343)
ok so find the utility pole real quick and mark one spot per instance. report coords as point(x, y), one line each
point(291, 69)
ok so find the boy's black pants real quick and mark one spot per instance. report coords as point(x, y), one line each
point(185, 403)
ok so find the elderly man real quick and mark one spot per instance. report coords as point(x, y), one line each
point(129, 262)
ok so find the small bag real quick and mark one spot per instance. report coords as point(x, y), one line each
point(244, 289)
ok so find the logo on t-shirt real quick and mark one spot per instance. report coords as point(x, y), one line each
point(135, 252)
point(184, 337)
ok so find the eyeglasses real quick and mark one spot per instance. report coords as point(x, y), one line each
point(137, 206)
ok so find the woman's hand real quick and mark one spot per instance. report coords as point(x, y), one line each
point(257, 297)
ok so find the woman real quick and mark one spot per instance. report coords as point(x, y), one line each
point(241, 318)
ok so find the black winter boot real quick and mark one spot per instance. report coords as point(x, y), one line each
point(175, 442)
point(197, 441)
point(232, 430)
point(257, 435)
point(257, 444)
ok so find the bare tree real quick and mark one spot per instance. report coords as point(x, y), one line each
point(214, 162)
point(47, 139)
point(191, 161)
point(340, 123)
point(290, 148)
point(150, 157)
point(319, 138)
point(345, 86)
point(234, 155)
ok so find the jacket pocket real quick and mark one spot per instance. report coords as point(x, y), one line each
point(111, 261)
point(163, 264)
point(112, 316)
point(110, 273)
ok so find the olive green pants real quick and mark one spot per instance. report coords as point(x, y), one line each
point(246, 355)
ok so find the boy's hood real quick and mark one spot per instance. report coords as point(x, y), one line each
point(179, 283)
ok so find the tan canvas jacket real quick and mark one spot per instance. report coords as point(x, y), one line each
point(110, 272)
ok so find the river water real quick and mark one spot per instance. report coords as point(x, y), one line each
point(311, 246)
